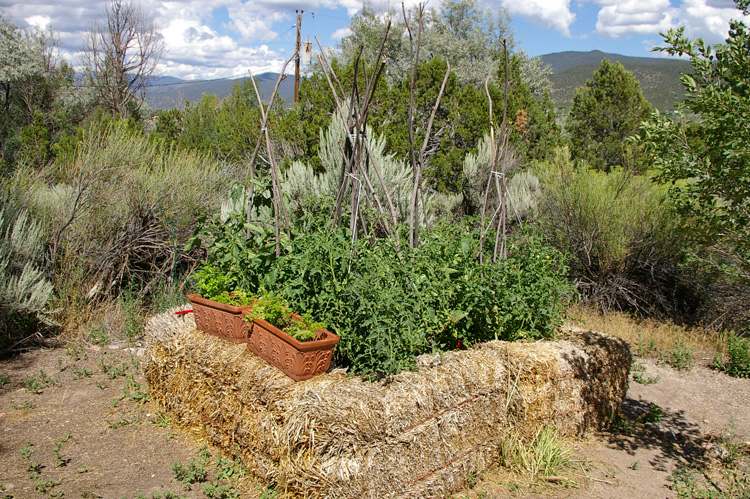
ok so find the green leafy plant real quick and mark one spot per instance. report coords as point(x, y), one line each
point(224, 491)
point(638, 371)
point(274, 310)
point(738, 352)
point(82, 373)
point(36, 385)
point(98, 333)
point(133, 391)
point(194, 472)
point(59, 460)
point(4, 379)
point(389, 304)
point(113, 372)
point(212, 282)
point(161, 495)
point(238, 298)
point(75, 351)
point(681, 355)
point(162, 420)
point(268, 492)
point(123, 421)
point(233, 245)
point(132, 314)
point(652, 415)
point(227, 469)
point(26, 452)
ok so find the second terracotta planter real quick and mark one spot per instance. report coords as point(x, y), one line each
point(298, 360)
point(219, 319)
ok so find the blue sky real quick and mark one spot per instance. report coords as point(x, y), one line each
point(225, 38)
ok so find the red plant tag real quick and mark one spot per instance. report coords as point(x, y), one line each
point(183, 312)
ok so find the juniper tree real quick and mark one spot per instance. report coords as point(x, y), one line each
point(605, 111)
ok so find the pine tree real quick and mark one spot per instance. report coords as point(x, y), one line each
point(605, 111)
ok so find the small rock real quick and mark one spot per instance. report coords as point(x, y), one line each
point(113, 346)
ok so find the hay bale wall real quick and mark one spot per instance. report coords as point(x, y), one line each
point(416, 434)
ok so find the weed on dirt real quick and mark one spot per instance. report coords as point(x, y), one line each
point(723, 472)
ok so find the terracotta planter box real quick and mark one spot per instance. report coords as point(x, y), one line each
point(219, 319)
point(297, 359)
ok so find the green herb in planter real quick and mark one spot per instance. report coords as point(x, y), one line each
point(274, 310)
point(237, 298)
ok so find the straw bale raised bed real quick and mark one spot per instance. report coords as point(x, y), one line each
point(416, 434)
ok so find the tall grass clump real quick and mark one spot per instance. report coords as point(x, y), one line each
point(25, 290)
point(117, 214)
point(623, 245)
point(545, 454)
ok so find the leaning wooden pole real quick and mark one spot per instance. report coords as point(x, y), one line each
point(416, 167)
point(504, 165)
point(265, 112)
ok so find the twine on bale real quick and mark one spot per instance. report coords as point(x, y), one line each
point(413, 434)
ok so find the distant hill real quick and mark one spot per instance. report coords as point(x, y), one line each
point(659, 78)
point(167, 92)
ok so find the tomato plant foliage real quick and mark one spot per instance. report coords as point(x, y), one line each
point(389, 305)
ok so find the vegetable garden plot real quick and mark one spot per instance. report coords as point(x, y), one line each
point(413, 434)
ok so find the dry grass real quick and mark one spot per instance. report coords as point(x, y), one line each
point(648, 337)
point(416, 434)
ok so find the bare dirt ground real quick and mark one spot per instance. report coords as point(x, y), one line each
point(74, 422)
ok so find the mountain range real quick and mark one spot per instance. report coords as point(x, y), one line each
point(167, 92)
point(659, 79)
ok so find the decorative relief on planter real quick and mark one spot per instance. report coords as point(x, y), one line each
point(219, 319)
point(298, 360)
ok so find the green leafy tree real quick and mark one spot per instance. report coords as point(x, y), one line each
point(534, 133)
point(38, 100)
point(470, 37)
point(300, 127)
point(20, 63)
point(169, 125)
point(708, 162)
point(605, 111)
point(35, 144)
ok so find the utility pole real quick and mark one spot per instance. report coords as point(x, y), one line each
point(296, 59)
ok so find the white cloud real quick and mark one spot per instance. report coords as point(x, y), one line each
point(554, 14)
point(339, 34)
point(642, 17)
point(39, 21)
point(708, 19)
point(221, 38)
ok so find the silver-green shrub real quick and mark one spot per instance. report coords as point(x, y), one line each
point(25, 290)
point(300, 181)
point(117, 214)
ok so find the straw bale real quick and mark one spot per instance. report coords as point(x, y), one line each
point(415, 434)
